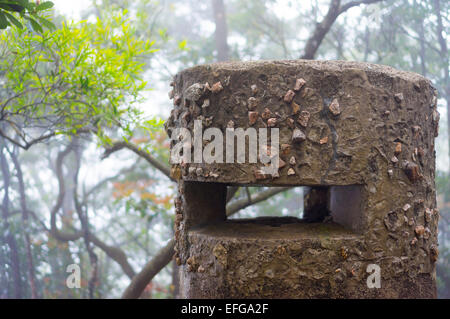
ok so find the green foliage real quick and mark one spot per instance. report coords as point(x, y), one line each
point(25, 9)
point(84, 76)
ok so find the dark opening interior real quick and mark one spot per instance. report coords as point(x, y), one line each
point(327, 211)
point(341, 205)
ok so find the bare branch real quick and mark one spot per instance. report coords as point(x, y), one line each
point(242, 203)
point(231, 191)
point(322, 28)
point(114, 253)
point(106, 180)
point(165, 169)
point(153, 267)
point(352, 4)
point(27, 144)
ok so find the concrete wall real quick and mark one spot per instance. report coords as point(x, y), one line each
point(363, 124)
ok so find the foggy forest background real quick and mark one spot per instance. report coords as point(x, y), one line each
point(83, 153)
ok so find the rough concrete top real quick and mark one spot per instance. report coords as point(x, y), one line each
point(334, 119)
point(322, 65)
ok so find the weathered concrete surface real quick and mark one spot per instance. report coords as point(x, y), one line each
point(363, 124)
point(298, 260)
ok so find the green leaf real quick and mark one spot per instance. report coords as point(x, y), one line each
point(12, 6)
point(45, 5)
point(182, 45)
point(3, 22)
point(22, 3)
point(14, 20)
point(35, 25)
point(48, 24)
point(29, 5)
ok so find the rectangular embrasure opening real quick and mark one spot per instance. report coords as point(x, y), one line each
point(342, 205)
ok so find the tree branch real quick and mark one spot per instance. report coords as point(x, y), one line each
point(322, 28)
point(114, 253)
point(231, 191)
point(165, 169)
point(106, 180)
point(150, 270)
point(27, 144)
point(352, 4)
point(242, 203)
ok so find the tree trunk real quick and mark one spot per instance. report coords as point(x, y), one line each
point(23, 207)
point(84, 222)
point(221, 33)
point(10, 239)
point(444, 55)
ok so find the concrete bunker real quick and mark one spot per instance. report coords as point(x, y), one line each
point(359, 136)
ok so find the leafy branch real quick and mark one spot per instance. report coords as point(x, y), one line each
point(12, 11)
